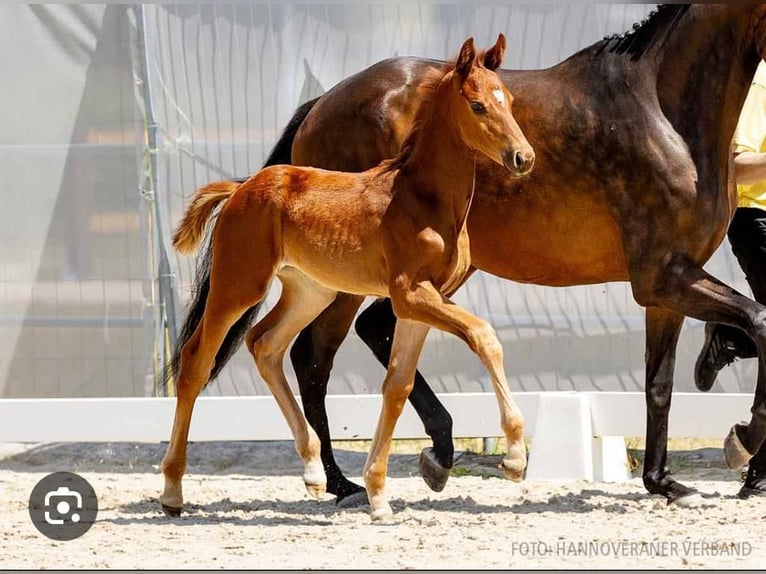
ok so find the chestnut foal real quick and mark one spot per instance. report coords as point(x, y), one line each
point(397, 230)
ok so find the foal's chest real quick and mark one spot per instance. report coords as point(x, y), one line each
point(458, 264)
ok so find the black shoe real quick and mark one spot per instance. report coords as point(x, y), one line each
point(755, 484)
point(716, 353)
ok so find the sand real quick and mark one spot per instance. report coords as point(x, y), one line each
point(246, 508)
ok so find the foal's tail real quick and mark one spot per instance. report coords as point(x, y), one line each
point(186, 239)
point(190, 231)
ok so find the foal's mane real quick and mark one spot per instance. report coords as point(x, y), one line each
point(429, 88)
point(654, 28)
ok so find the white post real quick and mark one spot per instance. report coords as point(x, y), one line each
point(610, 459)
point(562, 441)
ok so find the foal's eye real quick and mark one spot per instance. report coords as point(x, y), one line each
point(478, 107)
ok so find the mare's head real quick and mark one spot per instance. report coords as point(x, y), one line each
point(483, 109)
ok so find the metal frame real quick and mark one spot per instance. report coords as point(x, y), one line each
point(163, 290)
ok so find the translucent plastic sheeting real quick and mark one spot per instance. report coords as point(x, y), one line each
point(73, 269)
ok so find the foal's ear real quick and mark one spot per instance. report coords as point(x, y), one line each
point(466, 58)
point(494, 56)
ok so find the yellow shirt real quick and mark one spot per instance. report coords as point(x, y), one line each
point(751, 136)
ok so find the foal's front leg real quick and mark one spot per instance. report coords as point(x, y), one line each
point(423, 302)
point(409, 337)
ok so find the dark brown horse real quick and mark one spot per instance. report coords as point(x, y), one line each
point(397, 230)
point(632, 183)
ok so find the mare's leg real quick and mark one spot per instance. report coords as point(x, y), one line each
point(312, 357)
point(682, 286)
point(725, 344)
point(409, 337)
point(301, 301)
point(375, 326)
point(423, 302)
point(223, 307)
point(662, 330)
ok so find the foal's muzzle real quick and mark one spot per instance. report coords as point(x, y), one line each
point(518, 161)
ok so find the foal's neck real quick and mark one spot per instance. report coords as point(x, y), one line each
point(440, 165)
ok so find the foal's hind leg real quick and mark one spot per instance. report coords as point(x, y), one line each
point(301, 301)
point(197, 358)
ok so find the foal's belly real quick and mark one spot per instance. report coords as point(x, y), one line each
point(356, 267)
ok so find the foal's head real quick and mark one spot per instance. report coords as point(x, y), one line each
point(483, 110)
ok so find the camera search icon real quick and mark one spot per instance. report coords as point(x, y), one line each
point(63, 506)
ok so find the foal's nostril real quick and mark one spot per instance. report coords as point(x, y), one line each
point(518, 160)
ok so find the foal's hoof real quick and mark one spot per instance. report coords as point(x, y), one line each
point(316, 490)
point(353, 500)
point(513, 469)
point(171, 511)
point(734, 451)
point(432, 471)
point(382, 513)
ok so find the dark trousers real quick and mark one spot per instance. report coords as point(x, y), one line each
point(747, 236)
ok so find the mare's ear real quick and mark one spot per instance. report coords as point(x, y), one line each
point(493, 58)
point(465, 59)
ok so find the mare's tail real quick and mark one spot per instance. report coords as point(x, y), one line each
point(281, 152)
point(189, 235)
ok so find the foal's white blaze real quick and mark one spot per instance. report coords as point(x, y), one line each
point(499, 96)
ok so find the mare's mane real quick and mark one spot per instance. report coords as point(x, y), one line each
point(645, 34)
point(653, 29)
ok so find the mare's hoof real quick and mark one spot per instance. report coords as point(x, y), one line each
point(432, 471)
point(171, 511)
point(734, 451)
point(353, 500)
point(316, 490)
point(382, 513)
point(692, 500)
point(747, 491)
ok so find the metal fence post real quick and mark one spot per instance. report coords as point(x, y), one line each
point(163, 293)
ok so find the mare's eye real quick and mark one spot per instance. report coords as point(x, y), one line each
point(478, 107)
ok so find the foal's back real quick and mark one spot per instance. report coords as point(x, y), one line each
point(326, 223)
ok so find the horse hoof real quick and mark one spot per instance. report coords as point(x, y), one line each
point(353, 500)
point(513, 470)
point(432, 471)
point(734, 451)
point(171, 511)
point(382, 513)
point(693, 500)
point(316, 490)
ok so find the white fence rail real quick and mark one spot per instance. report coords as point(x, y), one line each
point(575, 435)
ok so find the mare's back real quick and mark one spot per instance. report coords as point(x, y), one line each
point(363, 119)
